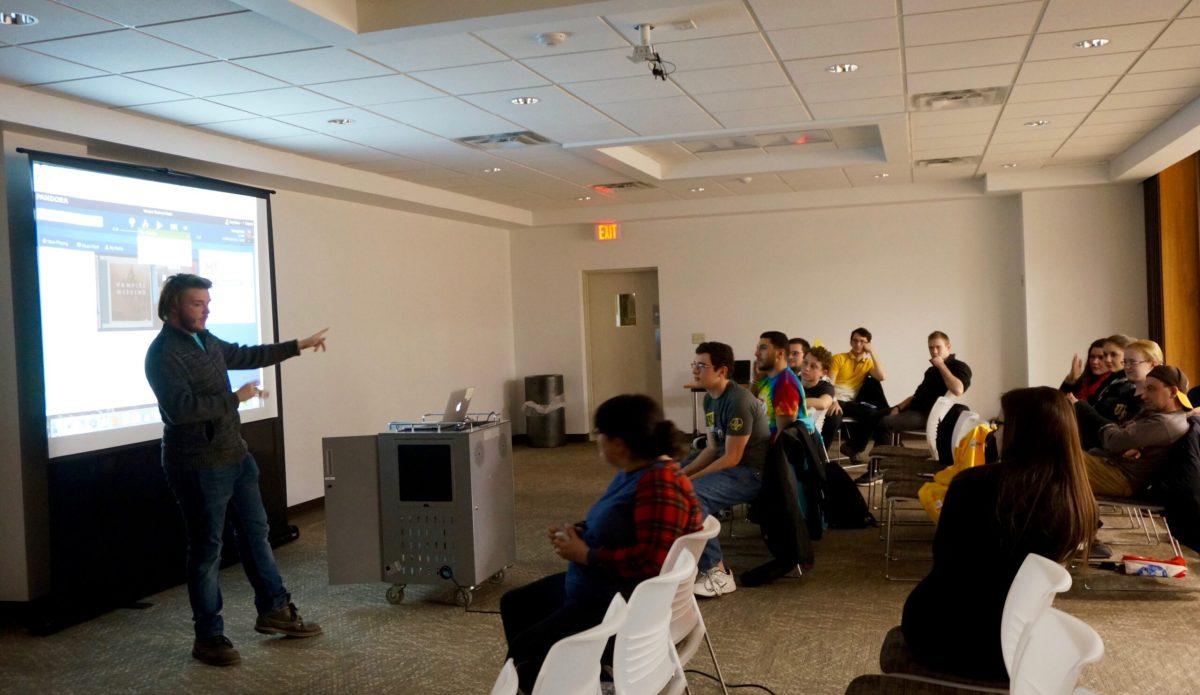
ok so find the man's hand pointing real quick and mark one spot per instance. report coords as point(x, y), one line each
point(315, 341)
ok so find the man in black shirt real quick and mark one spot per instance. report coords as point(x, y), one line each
point(208, 466)
point(948, 375)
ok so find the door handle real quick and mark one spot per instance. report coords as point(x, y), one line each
point(329, 477)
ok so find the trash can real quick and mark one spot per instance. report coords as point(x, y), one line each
point(545, 417)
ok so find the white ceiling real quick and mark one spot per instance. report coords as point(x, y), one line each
point(746, 64)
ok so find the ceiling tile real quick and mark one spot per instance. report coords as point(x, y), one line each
point(965, 54)
point(722, 51)
point(324, 147)
point(922, 6)
point(391, 165)
point(54, 22)
point(136, 13)
point(858, 107)
point(873, 64)
point(1030, 149)
point(979, 140)
point(394, 137)
point(1046, 91)
point(746, 99)
point(191, 111)
point(758, 184)
point(1154, 113)
point(573, 134)
point(779, 115)
point(255, 129)
point(998, 163)
point(1032, 135)
point(1081, 14)
point(981, 114)
point(1057, 121)
point(314, 66)
point(1135, 128)
point(1192, 10)
point(661, 116)
point(625, 89)
point(964, 78)
point(234, 36)
point(1076, 68)
point(277, 102)
point(1100, 143)
point(945, 172)
point(948, 151)
point(1130, 37)
point(448, 116)
point(1133, 100)
point(713, 19)
point(489, 77)
point(785, 14)
point(1149, 81)
point(1043, 109)
point(836, 39)
point(1182, 32)
point(952, 129)
point(208, 79)
point(976, 23)
point(1168, 59)
point(376, 90)
point(595, 65)
point(584, 34)
point(573, 169)
point(879, 175)
point(729, 79)
point(557, 115)
point(862, 88)
point(429, 54)
point(113, 90)
point(121, 51)
point(20, 66)
point(815, 179)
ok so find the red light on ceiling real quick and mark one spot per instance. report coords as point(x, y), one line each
point(600, 188)
point(800, 140)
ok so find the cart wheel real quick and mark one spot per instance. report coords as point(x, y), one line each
point(395, 594)
point(497, 578)
point(463, 596)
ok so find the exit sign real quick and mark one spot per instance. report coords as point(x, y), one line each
point(608, 231)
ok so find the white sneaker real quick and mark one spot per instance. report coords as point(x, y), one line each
point(713, 582)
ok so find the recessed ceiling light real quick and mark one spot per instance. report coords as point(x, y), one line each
point(1009, 165)
point(882, 176)
point(1091, 43)
point(552, 38)
point(1036, 124)
point(525, 101)
point(697, 189)
point(491, 170)
point(18, 19)
point(838, 68)
point(583, 198)
point(340, 121)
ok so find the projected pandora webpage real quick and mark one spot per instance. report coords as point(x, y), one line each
point(106, 245)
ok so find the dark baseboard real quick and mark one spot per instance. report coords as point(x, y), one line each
point(306, 507)
point(523, 439)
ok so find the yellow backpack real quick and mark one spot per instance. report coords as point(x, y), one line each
point(967, 454)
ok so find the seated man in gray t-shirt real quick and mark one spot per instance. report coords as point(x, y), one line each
point(729, 469)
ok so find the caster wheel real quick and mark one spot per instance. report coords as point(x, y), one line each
point(463, 597)
point(395, 594)
point(497, 578)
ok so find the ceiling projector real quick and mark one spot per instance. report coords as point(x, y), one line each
point(645, 53)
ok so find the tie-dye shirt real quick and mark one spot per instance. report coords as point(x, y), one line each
point(783, 394)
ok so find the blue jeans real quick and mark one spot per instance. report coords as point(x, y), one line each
point(204, 496)
point(722, 490)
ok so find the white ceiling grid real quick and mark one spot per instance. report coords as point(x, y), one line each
point(744, 64)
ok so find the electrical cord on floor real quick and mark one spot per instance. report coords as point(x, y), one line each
point(730, 686)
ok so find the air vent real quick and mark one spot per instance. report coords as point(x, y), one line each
point(946, 161)
point(959, 99)
point(621, 186)
point(505, 141)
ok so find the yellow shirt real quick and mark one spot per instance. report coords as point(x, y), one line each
point(847, 374)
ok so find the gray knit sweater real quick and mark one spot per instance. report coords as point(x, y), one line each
point(201, 427)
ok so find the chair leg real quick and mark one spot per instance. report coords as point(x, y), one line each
point(716, 664)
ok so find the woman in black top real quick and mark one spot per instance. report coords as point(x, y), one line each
point(1035, 500)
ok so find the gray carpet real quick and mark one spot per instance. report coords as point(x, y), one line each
point(808, 635)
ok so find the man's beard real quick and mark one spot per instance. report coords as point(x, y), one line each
point(191, 325)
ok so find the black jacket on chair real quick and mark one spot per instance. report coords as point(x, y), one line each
point(777, 510)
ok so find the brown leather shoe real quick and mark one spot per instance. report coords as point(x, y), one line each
point(285, 621)
point(215, 651)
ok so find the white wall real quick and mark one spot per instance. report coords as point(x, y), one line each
point(417, 306)
point(901, 270)
point(1085, 272)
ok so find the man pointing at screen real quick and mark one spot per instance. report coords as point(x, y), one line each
point(208, 466)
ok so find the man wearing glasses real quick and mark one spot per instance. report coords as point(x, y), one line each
point(729, 469)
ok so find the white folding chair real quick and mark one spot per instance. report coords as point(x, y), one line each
point(1030, 595)
point(645, 661)
point(506, 682)
point(687, 624)
point(572, 666)
point(1058, 647)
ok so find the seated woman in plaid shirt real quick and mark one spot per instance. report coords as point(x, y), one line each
point(624, 539)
